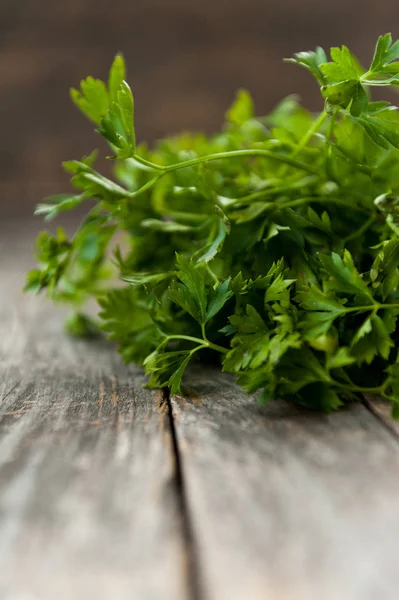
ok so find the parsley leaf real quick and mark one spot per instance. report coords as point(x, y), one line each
point(270, 248)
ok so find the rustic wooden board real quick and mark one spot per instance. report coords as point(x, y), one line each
point(285, 503)
point(105, 495)
point(89, 505)
point(382, 411)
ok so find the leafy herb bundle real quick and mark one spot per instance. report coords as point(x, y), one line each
point(272, 246)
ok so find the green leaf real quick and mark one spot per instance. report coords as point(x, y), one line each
point(311, 61)
point(321, 310)
point(250, 344)
point(166, 369)
point(320, 396)
point(371, 339)
point(381, 51)
point(381, 127)
point(127, 318)
point(242, 110)
point(117, 75)
point(384, 272)
point(359, 102)
point(342, 93)
point(113, 130)
point(278, 289)
point(341, 358)
point(343, 277)
point(383, 65)
point(217, 298)
point(59, 203)
point(174, 381)
point(299, 368)
point(344, 66)
point(92, 99)
point(126, 103)
point(219, 230)
point(313, 299)
point(166, 226)
point(146, 279)
point(82, 326)
point(191, 293)
point(272, 244)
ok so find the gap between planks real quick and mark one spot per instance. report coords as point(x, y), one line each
point(193, 571)
point(381, 410)
point(64, 403)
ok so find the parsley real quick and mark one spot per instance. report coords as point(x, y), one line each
point(271, 247)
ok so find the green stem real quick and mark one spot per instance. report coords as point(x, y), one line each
point(218, 348)
point(310, 133)
point(190, 217)
point(370, 307)
point(359, 231)
point(212, 157)
point(362, 168)
point(330, 128)
point(204, 343)
point(357, 388)
point(189, 338)
point(246, 153)
point(322, 200)
point(212, 274)
point(145, 187)
point(148, 163)
point(238, 154)
point(270, 191)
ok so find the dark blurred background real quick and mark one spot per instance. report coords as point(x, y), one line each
point(185, 61)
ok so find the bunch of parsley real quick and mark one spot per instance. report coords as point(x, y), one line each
point(271, 247)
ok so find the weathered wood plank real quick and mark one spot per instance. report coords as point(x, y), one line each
point(285, 503)
point(382, 410)
point(88, 501)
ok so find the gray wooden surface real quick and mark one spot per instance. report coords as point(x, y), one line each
point(285, 503)
point(109, 491)
point(88, 501)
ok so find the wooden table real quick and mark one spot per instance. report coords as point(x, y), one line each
point(112, 492)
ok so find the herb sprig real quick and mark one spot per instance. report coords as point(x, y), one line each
point(271, 247)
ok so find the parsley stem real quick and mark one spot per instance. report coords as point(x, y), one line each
point(212, 274)
point(204, 343)
point(278, 189)
point(322, 200)
point(360, 230)
point(357, 388)
point(246, 153)
point(218, 348)
point(328, 148)
point(189, 338)
point(310, 133)
point(145, 187)
point(375, 307)
point(148, 163)
point(163, 170)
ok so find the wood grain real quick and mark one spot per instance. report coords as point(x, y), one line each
point(285, 503)
point(104, 494)
point(382, 411)
point(88, 501)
